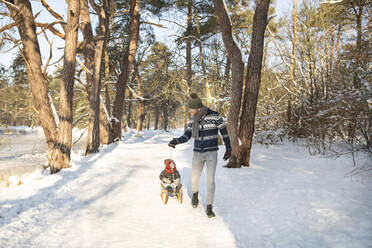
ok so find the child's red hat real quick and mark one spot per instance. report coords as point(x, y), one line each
point(170, 165)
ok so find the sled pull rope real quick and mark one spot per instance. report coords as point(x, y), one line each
point(170, 151)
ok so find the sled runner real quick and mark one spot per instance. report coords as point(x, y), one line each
point(171, 190)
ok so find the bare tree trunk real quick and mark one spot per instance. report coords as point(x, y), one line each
point(148, 119)
point(358, 14)
point(61, 158)
point(141, 102)
point(188, 44)
point(105, 107)
point(129, 115)
point(161, 120)
point(107, 61)
point(93, 52)
point(253, 81)
point(93, 55)
point(188, 57)
point(89, 52)
point(128, 59)
point(205, 81)
point(294, 41)
point(186, 113)
point(235, 56)
point(185, 120)
point(165, 116)
point(105, 125)
point(124, 123)
point(156, 125)
point(293, 60)
point(38, 83)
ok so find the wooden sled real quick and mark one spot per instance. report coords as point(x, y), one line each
point(164, 194)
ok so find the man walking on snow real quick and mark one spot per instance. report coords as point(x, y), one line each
point(204, 127)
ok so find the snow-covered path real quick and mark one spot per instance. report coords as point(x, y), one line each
point(111, 199)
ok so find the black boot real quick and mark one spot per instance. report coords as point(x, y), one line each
point(210, 212)
point(195, 200)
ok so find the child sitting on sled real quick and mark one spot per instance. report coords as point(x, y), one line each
point(170, 182)
point(171, 177)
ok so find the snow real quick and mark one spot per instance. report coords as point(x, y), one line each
point(286, 198)
point(332, 2)
point(55, 114)
point(23, 149)
point(21, 144)
point(105, 109)
point(115, 119)
point(19, 129)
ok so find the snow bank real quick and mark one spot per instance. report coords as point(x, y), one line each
point(19, 130)
point(23, 150)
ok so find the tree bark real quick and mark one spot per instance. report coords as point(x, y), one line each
point(93, 53)
point(107, 62)
point(61, 158)
point(128, 59)
point(294, 42)
point(105, 125)
point(293, 60)
point(129, 115)
point(156, 125)
point(253, 81)
point(204, 70)
point(186, 116)
point(106, 128)
point(188, 60)
point(38, 83)
point(165, 116)
point(141, 102)
point(148, 119)
point(235, 56)
point(105, 107)
point(188, 45)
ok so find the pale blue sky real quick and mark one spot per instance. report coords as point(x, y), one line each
point(282, 7)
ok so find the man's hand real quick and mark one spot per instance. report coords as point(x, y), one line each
point(227, 155)
point(172, 143)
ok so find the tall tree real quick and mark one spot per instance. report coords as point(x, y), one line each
point(93, 53)
point(21, 13)
point(61, 158)
point(188, 55)
point(235, 57)
point(203, 65)
point(140, 100)
point(293, 58)
point(252, 81)
point(127, 62)
point(105, 105)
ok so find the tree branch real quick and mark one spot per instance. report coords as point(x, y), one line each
point(51, 28)
point(154, 24)
point(55, 14)
point(50, 52)
point(9, 26)
point(83, 66)
point(57, 61)
point(172, 22)
point(9, 4)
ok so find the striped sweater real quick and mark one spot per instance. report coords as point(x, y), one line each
point(209, 125)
